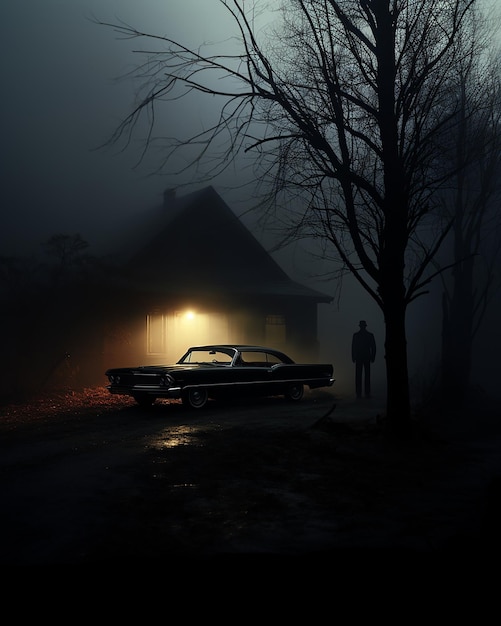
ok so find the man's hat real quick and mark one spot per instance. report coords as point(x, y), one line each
point(363, 323)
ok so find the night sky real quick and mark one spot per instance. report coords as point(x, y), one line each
point(62, 97)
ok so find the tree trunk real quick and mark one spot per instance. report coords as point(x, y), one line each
point(395, 206)
point(397, 378)
point(457, 335)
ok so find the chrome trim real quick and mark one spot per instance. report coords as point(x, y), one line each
point(159, 391)
point(161, 388)
point(146, 374)
point(303, 381)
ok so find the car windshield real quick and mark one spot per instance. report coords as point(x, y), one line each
point(208, 356)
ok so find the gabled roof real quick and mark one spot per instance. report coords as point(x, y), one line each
point(199, 242)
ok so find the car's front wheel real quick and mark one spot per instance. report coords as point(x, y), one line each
point(295, 392)
point(196, 398)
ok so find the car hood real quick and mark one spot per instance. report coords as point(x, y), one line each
point(160, 369)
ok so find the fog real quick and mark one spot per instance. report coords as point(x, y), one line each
point(61, 100)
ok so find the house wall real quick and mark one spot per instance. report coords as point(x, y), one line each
point(303, 331)
point(165, 332)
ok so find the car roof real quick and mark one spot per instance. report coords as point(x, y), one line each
point(232, 346)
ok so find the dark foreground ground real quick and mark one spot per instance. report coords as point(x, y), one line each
point(90, 480)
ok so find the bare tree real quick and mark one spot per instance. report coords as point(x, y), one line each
point(344, 103)
point(69, 258)
point(472, 202)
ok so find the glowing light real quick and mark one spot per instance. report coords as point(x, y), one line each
point(189, 315)
point(177, 436)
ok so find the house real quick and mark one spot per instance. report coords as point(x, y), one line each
point(200, 277)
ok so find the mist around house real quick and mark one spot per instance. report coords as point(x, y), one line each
point(61, 101)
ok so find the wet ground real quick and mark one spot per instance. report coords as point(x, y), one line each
point(86, 479)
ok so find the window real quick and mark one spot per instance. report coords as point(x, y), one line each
point(275, 331)
point(155, 333)
point(213, 356)
point(254, 358)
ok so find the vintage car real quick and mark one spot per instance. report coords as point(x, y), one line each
point(220, 370)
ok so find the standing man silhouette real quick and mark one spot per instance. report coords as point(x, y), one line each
point(363, 353)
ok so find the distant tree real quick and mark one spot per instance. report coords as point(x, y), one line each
point(473, 144)
point(46, 309)
point(67, 252)
point(343, 103)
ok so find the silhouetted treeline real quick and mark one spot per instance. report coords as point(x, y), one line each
point(49, 308)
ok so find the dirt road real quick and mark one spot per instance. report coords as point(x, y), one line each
point(100, 482)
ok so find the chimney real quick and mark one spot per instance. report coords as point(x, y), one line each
point(169, 197)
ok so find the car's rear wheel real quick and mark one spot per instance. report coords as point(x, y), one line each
point(196, 398)
point(295, 392)
point(143, 399)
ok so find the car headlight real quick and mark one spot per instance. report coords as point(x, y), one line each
point(114, 380)
point(166, 380)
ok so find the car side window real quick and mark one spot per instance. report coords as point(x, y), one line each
point(259, 359)
point(273, 360)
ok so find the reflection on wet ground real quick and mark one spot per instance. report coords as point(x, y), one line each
point(184, 435)
point(250, 478)
point(176, 436)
